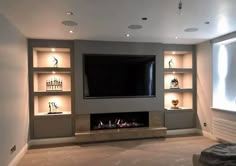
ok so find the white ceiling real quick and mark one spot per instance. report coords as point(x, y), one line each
point(109, 19)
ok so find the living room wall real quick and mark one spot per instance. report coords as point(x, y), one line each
point(205, 86)
point(14, 118)
point(85, 106)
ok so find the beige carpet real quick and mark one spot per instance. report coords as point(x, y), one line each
point(159, 152)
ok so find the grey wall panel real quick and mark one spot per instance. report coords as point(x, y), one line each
point(47, 127)
point(179, 119)
point(121, 104)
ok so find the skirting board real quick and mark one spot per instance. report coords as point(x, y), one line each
point(182, 131)
point(52, 141)
point(19, 156)
point(207, 134)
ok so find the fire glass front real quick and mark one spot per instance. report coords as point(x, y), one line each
point(119, 120)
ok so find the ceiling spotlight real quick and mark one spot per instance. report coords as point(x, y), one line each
point(69, 13)
point(53, 49)
point(53, 72)
point(173, 52)
point(176, 37)
point(71, 31)
point(127, 35)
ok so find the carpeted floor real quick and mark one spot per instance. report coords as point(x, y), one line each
point(157, 152)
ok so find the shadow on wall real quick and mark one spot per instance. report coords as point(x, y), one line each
point(204, 114)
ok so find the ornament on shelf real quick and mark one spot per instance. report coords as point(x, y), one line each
point(170, 63)
point(174, 83)
point(175, 103)
point(53, 108)
point(54, 84)
point(55, 61)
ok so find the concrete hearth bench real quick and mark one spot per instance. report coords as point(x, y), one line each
point(120, 134)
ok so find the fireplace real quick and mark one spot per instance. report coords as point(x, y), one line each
point(119, 120)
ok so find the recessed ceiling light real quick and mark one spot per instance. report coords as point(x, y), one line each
point(53, 72)
point(53, 49)
point(127, 35)
point(71, 31)
point(191, 30)
point(176, 37)
point(173, 52)
point(207, 22)
point(144, 18)
point(69, 13)
point(69, 23)
point(135, 26)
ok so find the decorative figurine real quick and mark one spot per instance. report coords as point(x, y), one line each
point(175, 103)
point(53, 108)
point(174, 83)
point(171, 63)
point(55, 60)
point(50, 107)
point(55, 84)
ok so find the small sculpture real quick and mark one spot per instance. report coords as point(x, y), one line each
point(50, 107)
point(54, 84)
point(53, 108)
point(174, 83)
point(175, 103)
point(171, 63)
point(55, 60)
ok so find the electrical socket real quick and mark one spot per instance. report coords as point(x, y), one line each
point(205, 124)
point(13, 149)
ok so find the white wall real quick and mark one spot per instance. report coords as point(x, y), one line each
point(204, 88)
point(14, 117)
point(204, 85)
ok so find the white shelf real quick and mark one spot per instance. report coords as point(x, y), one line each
point(169, 109)
point(178, 90)
point(46, 114)
point(52, 93)
point(178, 70)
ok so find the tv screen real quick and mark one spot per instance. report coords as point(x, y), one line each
point(119, 75)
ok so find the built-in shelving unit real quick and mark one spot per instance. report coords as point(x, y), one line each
point(52, 81)
point(51, 94)
point(179, 87)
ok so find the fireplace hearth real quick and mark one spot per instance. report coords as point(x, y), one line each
point(119, 120)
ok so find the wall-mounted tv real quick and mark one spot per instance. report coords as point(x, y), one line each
point(107, 76)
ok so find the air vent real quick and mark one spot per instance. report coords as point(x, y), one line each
point(69, 23)
point(191, 30)
point(135, 26)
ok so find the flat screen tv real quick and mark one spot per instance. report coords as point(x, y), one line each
point(108, 76)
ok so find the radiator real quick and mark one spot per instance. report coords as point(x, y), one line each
point(224, 129)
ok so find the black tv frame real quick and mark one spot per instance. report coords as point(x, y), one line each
point(111, 97)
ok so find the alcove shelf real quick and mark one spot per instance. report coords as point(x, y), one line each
point(50, 73)
point(179, 84)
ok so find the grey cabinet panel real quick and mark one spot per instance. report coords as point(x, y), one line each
point(179, 119)
point(52, 127)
